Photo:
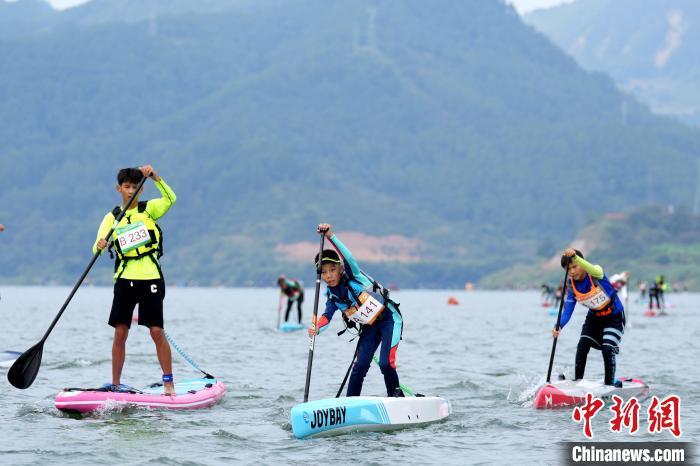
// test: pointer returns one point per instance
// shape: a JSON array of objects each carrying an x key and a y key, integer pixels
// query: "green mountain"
[
  {"x": 25, "y": 17},
  {"x": 650, "y": 48},
  {"x": 646, "y": 241},
  {"x": 450, "y": 125}
]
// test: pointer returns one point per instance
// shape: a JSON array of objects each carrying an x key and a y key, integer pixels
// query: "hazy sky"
[
  {"x": 66, "y": 3},
  {"x": 521, "y": 5}
]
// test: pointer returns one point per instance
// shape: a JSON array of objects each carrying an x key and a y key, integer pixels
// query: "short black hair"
[
  {"x": 330, "y": 256},
  {"x": 566, "y": 259},
  {"x": 129, "y": 175}
]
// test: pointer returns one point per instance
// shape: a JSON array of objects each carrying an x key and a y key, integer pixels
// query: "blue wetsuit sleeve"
[
  {"x": 347, "y": 256},
  {"x": 325, "y": 319},
  {"x": 330, "y": 310},
  {"x": 569, "y": 304}
]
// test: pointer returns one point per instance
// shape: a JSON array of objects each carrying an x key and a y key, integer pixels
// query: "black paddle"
[
  {"x": 279, "y": 312},
  {"x": 25, "y": 369},
  {"x": 347, "y": 374},
  {"x": 561, "y": 307},
  {"x": 314, "y": 318}
]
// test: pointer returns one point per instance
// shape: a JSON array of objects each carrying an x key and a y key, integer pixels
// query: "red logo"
[
  {"x": 587, "y": 412},
  {"x": 625, "y": 416},
  {"x": 665, "y": 414},
  {"x": 662, "y": 415}
]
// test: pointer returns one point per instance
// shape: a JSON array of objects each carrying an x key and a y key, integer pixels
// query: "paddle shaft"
[
  {"x": 561, "y": 307},
  {"x": 347, "y": 374},
  {"x": 24, "y": 371},
  {"x": 403, "y": 388},
  {"x": 279, "y": 312},
  {"x": 93, "y": 260},
  {"x": 627, "y": 300},
  {"x": 314, "y": 318}
]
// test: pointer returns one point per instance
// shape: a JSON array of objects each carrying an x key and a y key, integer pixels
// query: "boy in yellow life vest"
[
  {"x": 137, "y": 243},
  {"x": 605, "y": 321}
]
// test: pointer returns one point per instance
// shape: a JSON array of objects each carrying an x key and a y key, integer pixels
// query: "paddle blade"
[{"x": 25, "y": 369}]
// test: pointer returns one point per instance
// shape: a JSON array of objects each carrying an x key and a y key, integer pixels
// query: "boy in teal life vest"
[
  {"x": 352, "y": 292},
  {"x": 604, "y": 325},
  {"x": 293, "y": 290},
  {"x": 138, "y": 279}
]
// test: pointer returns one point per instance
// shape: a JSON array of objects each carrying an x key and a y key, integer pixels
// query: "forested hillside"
[
  {"x": 650, "y": 48},
  {"x": 646, "y": 242},
  {"x": 449, "y": 124}
]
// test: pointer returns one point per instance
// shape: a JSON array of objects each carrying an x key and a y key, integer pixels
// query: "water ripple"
[{"x": 487, "y": 364}]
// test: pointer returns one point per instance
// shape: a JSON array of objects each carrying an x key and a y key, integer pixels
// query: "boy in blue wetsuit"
[
  {"x": 352, "y": 292},
  {"x": 605, "y": 321}
]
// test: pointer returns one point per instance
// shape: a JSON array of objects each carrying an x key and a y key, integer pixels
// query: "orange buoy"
[{"x": 452, "y": 301}]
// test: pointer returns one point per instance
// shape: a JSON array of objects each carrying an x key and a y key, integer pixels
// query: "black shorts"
[
  {"x": 604, "y": 331},
  {"x": 148, "y": 294}
]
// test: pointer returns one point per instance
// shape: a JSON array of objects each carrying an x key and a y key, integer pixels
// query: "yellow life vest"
[{"x": 152, "y": 247}]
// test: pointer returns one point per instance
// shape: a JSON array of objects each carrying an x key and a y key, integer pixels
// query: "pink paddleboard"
[{"x": 190, "y": 394}]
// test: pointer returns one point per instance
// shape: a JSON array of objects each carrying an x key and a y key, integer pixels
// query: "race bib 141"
[{"x": 370, "y": 308}]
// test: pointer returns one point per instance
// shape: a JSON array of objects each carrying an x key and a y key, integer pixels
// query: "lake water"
[{"x": 487, "y": 356}]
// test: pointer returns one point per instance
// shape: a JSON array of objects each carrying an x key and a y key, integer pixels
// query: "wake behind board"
[
  {"x": 8, "y": 358},
  {"x": 290, "y": 327},
  {"x": 564, "y": 393},
  {"x": 365, "y": 413},
  {"x": 655, "y": 312},
  {"x": 189, "y": 394}
]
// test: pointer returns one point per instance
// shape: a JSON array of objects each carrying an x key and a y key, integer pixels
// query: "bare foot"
[{"x": 169, "y": 388}]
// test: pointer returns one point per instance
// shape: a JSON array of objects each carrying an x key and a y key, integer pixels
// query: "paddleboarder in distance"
[
  {"x": 353, "y": 293},
  {"x": 138, "y": 279},
  {"x": 656, "y": 293},
  {"x": 293, "y": 290},
  {"x": 604, "y": 325},
  {"x": 547, "y": 294}
]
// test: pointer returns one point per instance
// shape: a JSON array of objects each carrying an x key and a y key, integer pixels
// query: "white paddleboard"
[{"x": 365, "y": 413}]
